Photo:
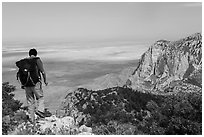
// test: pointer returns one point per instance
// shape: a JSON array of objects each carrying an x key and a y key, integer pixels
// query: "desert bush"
[
  {"x": 177, "y": 113},
  {"x": 182, "y": 126},
  {"x": 123, "y": 105},
  {"x": 9, "y": 107},
  {"x": 116, "y": 128},
  {"x": 120, "y": 104},
  {"x": 9, "y": 104},
  {"x": 175, "y": 116},
  {"x": 187, "y": 116}
]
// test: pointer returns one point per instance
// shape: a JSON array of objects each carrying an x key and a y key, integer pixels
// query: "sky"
[
  {"x": 128, "y": 29},
  {"x": 142, "y": 22}
]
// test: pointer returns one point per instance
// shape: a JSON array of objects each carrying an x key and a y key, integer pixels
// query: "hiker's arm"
[
  {"x": 40, "y": 67},
  {"x": 44, "y": 77}
]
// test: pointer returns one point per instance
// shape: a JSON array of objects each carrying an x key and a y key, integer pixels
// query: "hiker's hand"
[{"x": 46, "y": 83}]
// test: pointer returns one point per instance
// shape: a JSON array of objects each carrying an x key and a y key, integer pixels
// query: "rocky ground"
[{"x": 50, "y": 126}]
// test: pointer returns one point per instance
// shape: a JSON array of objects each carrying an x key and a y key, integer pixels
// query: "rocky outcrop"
[
  {"x": 54, "y": 126},
  {"x": 55, "y": 123},
  {"x": 166, "y": 62}
]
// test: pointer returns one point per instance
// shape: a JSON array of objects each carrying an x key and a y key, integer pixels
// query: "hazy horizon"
[{"x": 88, "y": 21}]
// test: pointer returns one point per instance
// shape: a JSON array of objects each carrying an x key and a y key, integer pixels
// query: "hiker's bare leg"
[
  {"x": 39, "y": 97},
  {"x": 31, "y": 102}
]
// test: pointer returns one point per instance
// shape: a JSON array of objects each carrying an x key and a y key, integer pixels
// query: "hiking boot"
[
  {"x": 40, "y": 114},
  {"x": 47, "y": 113}
]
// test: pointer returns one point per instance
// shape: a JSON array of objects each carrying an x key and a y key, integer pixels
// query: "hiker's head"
[{"x": 33, "y": 52}]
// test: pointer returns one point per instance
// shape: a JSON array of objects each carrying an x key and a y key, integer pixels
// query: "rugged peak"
[
  {"x": 196, "y": 36},
  {"x": 162, "y": 41},
  {"x": 160, "y": 44},
  {"x": 168, "y": 61}
]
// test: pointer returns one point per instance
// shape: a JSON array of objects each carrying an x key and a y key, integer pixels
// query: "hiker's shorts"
[{"x": 35, "y": 98}]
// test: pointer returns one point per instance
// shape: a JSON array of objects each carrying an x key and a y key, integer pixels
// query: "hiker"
[{"x": 32, "y": 84}]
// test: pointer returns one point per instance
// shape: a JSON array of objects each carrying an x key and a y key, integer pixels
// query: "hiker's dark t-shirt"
[{"x": 39, "y": 65}]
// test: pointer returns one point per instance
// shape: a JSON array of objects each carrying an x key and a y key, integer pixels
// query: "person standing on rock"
[{"x": 30, "y": 71}]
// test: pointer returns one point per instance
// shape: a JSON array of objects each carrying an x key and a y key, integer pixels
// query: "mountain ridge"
[{"x": 165, "y": 62}]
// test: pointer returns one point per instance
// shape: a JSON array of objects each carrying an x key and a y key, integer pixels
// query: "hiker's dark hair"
[{"x": 33, "y": 52}]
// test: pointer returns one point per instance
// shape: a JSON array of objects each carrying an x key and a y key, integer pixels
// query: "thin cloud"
[{"x": 195, "y": 4}]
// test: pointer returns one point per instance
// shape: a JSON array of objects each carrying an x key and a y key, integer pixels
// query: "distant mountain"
[
  {"x": 168, "y": 63},
  {"x": 110, "y": 80},
  {"x": 164, "y": 65}
]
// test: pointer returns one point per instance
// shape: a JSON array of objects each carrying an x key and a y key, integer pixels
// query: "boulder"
[
  {"x": 56, "y": 123},
  {"x": 84, "y": 128},
  {"x": 67, "y": 121}
]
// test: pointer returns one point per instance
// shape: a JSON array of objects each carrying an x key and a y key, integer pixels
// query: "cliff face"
[{"x": 166, "y": 62}]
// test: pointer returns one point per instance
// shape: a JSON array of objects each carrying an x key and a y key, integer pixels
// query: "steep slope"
[
  {"x": 166, "y": 62},
  {"x": 144, "y": 113},
  {"x": 90, "y": 107}
]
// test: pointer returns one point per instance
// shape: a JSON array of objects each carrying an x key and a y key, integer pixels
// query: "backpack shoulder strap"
[{"x": 37, "y": 58}]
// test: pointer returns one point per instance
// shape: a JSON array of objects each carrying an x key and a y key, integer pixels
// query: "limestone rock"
[
  {"x": 85, "y": 133},
  {"x": 57, "y": 123},
  {"x": 67, "y": 121},
  {"x": 52, "y": 125},
  {"x": 84, "y": 128},
  {"x": 166, "y": 62}
]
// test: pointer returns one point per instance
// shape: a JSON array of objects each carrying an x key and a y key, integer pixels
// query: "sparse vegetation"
[
  {"x": 110, "y": 109},
  {"x": 117, "y": 111},
  {"x": 9, "y": 107}
]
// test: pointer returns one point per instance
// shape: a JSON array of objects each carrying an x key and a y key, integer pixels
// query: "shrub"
[
  {"x": 176, "y": 116},
  {"x": 178, "y": 113},
  {"x": 116, "y": 128},
  {"x": 9, "y": 104},
  {"x": 9, "y": 107}
]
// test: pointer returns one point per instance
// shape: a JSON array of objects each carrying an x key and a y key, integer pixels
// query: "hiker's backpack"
[{"x": 28, "y": 73}]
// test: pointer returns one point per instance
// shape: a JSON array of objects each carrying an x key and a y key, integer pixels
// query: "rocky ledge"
[{"x": 51, "y": 126}]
